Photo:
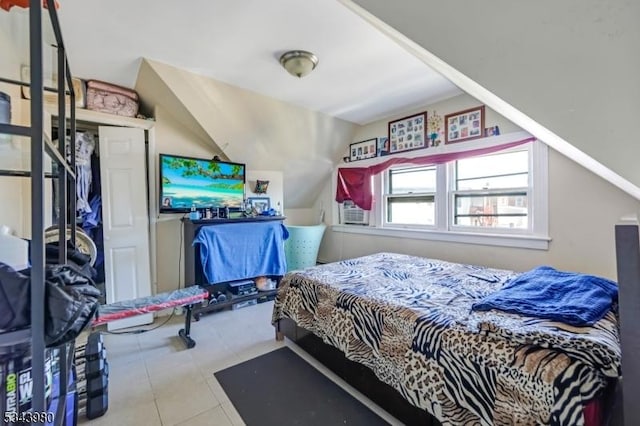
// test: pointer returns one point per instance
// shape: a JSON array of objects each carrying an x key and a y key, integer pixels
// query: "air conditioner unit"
[{"x": 354, "y": 215}]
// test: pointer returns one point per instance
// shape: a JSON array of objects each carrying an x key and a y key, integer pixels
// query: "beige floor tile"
[
  {"x": 185, "y": 403},
  {"x": 122, "y": 349},
  {"x": 125, "y": 395},
  {"x": 214, "y": 417},
  {"x": 140, "y": 414},
  {"x": 217, "y": 390},
  {"x": 209, "y": 363},
  {"x": 161, "y": 347}
]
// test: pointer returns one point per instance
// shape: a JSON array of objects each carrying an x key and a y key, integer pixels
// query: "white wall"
[
  {"x": 10, "y": 150},
  {"x": 15, "y": 193},
  {"x": 275, "y": 190},
  {"x": 448, "y": 106},
  {"x": 174, "y": 137},
  {"x": 264, "y": 133},
  {"x": 583, "y": 209},
  {"x": 171, "y": 137},
  {"x": 572, "y": 65}
]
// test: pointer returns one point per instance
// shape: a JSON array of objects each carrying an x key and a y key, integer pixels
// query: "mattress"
[{"x": 409, "y": 319}]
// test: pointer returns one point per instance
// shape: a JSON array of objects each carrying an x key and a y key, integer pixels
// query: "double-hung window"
[
  {"x": 498, "y": 195},
  {"x": 410, "y": 196},
  {"x": 491, "y": 191}
]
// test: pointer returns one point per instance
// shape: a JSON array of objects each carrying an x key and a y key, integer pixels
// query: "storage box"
[
  {"x": 51, "y": 97},
  {"x": 112, "y": 99},
  {"x": 16, "y": 382}
]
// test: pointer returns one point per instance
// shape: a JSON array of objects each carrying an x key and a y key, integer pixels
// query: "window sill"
[{"x": 516, "y": 241}]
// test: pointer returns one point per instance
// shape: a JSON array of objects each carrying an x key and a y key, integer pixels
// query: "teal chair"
[{"x": 301, "y": 248}]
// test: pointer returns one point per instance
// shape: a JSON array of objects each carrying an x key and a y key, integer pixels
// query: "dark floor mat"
[{"x": 280, "y": 388}]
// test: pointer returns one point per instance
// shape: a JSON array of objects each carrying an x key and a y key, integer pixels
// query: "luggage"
[{"x": 112, "y": 99}]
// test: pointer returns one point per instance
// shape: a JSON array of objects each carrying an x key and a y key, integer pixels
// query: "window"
[
  {"x": 490, "y": 195},
  {"x": 410, "y": 196},
  {"x": 492, "y": 191}
]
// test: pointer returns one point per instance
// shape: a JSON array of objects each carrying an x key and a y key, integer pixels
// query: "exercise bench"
[{"x": 186, "y": 297}]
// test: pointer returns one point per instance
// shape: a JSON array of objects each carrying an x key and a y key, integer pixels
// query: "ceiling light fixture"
[{"x": 298, "y": 62}]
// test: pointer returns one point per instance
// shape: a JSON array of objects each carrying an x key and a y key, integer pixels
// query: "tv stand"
[{"x": 193, "y": 272}]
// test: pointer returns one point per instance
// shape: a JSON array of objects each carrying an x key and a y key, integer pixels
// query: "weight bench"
[{"x": 130, "y": 308}]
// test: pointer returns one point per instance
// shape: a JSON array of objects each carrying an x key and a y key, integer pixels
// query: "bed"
[{"x": 409, "y": 320}]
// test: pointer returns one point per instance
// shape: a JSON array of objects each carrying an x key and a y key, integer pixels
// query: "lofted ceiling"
[{"x": 362, "y": 75}]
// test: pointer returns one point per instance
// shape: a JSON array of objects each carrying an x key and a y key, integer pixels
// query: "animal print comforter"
[{"x": 409, "y": 319}]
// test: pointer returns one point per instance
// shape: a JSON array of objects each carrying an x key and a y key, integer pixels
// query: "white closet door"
[{"x": 125, "y": 218}]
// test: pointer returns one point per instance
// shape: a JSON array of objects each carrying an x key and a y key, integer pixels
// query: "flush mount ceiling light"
[{"x": 298, "y": 62}]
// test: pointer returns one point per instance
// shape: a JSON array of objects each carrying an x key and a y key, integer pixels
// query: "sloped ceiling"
[
  {"x": 251, "y": 128},
  {"x": 571, "y": 66}
]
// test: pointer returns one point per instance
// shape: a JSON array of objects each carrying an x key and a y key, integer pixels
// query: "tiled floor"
[{"x": 154, "y": 380}]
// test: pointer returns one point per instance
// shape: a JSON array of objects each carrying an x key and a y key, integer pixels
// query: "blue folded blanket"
[{"x": 544, "y": 292}]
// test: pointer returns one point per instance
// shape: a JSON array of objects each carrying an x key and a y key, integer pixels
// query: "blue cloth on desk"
[
  {"x": 544, "y": 292},
  {"x": 235, "y": 251}
]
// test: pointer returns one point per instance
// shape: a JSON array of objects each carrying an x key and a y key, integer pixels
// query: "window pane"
[
  {"x": 508, "y": 210},
  {"x": 412, "y": 180},
  {"x": 418, "y": 210},
  {"x": 497, "y": 182},
  {"x": 506, "y": 170}
]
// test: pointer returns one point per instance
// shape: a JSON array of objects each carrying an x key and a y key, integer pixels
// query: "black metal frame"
[
  {"x": 66, "y": 179},
  {"x": 628, "y": 268}
]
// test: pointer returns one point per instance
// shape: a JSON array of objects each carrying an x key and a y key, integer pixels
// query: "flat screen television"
[{"x": 188, "y": 181}]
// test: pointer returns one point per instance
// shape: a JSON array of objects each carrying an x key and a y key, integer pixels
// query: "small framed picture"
[
  {"x": 260, "y": 204},
  {"x": 261, "y": 186},
  {"x": 492, "y": 131},
  {"x": 464, "y": 125},
  {"x": 383, "y": 146},
  {"x": 364, "y": 149},
  {"x": 407, "y": 133}
]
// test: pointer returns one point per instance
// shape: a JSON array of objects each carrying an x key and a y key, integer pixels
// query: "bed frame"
[
  {"x": 357, "y": 375},
  {"x": 628, "y": 265}
]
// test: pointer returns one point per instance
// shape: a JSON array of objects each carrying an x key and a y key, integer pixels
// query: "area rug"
[{"x": 280, "y": 388}]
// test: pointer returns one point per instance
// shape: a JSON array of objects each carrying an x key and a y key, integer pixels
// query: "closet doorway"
[{"x": 111, "y": 198}]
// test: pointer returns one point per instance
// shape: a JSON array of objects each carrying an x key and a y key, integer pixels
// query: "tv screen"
[{"x": 187, "y": 181}]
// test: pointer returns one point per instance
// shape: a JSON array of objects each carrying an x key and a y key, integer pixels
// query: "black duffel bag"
[{"x": 71, "y": 301}]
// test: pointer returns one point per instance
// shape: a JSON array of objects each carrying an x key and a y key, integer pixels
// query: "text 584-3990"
[{"x": 28, "y": 417}]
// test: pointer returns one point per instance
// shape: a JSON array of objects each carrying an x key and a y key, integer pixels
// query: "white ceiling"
[{"x": 362, "y": 76}]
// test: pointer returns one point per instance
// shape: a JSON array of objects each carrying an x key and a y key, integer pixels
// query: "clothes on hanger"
[{"x": 85, "y": 145}]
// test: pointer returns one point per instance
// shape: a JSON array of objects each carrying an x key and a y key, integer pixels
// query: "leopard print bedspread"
[{"x": 409, "y": 319}]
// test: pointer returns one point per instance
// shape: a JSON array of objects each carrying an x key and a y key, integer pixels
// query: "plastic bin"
[{"x": 301, "y": 248}]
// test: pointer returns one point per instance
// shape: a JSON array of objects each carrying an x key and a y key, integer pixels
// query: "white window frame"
[
  {"x": 385, "y": 194},
  {"x": 536, "y": 237},
  {"x": 529, "y": 189}
]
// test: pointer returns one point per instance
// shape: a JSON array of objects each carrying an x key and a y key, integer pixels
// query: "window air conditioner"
[{"x": 354, "y": 215}]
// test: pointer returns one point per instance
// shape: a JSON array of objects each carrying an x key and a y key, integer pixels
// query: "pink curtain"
[{"x": 354, "y": 183}]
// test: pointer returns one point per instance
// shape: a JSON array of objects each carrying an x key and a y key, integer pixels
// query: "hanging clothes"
[{"x": 85, "y": 145}]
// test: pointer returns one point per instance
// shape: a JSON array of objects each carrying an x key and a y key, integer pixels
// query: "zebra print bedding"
[{"x": 409, "y": 319}]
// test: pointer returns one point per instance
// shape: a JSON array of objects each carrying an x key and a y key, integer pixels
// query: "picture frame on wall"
[
  {"x": 363, "y": 149},
  {"x": 464, "y": 125},
  {"x": 408, "y": 133},
  {"x": 383, "y": 146}
]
